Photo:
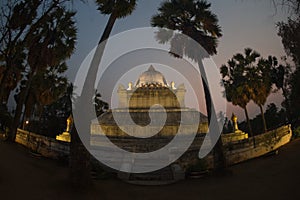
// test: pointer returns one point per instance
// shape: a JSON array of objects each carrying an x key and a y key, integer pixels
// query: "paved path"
[{"x": 23, "y": 176}]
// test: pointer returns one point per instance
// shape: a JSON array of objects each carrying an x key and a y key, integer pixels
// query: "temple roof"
[{"x": 151, "y": 76}]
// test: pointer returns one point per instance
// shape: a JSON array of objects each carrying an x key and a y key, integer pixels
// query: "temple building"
[{"x": 151, "y": 88}]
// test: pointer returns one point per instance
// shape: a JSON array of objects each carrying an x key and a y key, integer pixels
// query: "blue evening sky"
[{"x": 244, "y": 23}]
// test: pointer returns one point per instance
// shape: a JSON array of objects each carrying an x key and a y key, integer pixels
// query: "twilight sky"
[{"x": 244, "y": 23}]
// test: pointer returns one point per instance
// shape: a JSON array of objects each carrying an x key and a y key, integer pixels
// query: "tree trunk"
[
  {"x": 17, "y": 37},
  {"x": 20, "y": 104},
  {"x": 4, "y": 80},
  {"x": 288, "y": 109},
  {"x": 219, "y": 156},
  {"x": 249, "y": 126},
  {"x": 80, "y": 157},
  {"x": 28, "y": 108},
  {"x": 263, "y": 117},
  {"x": 108, "y": 28},
  {"x": 80, "y": 166},
  {"x": 23, "y": 95}
]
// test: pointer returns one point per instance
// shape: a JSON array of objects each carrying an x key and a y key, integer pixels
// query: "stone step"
[{"x": 163, "y": 176}]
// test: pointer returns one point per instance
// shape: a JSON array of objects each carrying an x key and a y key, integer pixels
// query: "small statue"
[
  {"x": 65, "y": 136},
  {"x": 237, "y": 134},
  {"x": 173, "y": 85},
  {"x": 69, "y": 123},
  {"x": 235, "y": 124},
  {"x": 129, "y": 86}
]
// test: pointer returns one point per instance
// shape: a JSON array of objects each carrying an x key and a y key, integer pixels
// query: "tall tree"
[
  {"x": 237, "y": 89},
  {"x": 80, "y": 164},
  {"x": 290, "y": 34},
  {"x": 251, "y": 76},
  {"x": 28, "y": 37},
  {"x": 281, "y": 76},
  {"x": 50, "y": 40},
  {"x": 194, "y": 19},
  {"x": 16, "y": 19},
  {"x": 295, "y": 97},
  {"x": 261, "y": 82},
  {"x": 115, "y": 9},
  {"x": 238, "y": 78}
]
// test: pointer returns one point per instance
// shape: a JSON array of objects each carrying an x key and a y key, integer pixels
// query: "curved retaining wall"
[
  {"x": 239, "y": 151},
  {"x": 47, "y": 147},
  {"x": 244, "y": 150},
  {"x": 235, "y": 152}
]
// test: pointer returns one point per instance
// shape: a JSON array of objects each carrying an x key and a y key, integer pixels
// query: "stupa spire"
[{"x": 151, "y": 68}]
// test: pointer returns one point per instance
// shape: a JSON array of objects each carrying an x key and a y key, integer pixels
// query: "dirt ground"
[{"x": 24, "y": 176}]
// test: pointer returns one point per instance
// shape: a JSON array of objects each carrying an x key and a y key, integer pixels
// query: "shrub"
[{"x": 296, "y": 132}]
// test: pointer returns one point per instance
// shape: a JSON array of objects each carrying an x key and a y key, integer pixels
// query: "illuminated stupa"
[{"x": 151, "y": 88}]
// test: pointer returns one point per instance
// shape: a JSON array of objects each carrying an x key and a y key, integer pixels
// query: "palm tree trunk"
[
  {"x": 20, "y": 104},
  {"x": 263, "y": 117},
  {"x": 3, "y": 80},
  {"x": 21, "y": 31},
  {"x": 79, "y": 163},
  {"x": 249, "y": 125},
  {"x": 219, "y": 156},
  {"x": 79, "y": 156},
  {"x": 16, "y": 121},
  {"x": 108, "y": 28},
  {"x": 28, "y": 108}
]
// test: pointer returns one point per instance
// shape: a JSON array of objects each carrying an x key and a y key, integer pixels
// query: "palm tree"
[
  {"x": 237, "y": 90},
  {"x": 16, "y": 17},
  {"x": 238, "y": 78},
  {"x": 115, "y": 9},
  {"x": 49, "y": 43},
  {"x": 262, "y": 84},
  {"x": 246, "y": 63},
  {"x": 80, "y": 158},
  {"x": 194, "y": 19}
]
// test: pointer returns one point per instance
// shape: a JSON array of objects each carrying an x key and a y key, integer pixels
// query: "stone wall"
[
  {"x": 47, "y": 147},
  {"x": 243, "y": 150},
  {"x": 235, "y": 152}
]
